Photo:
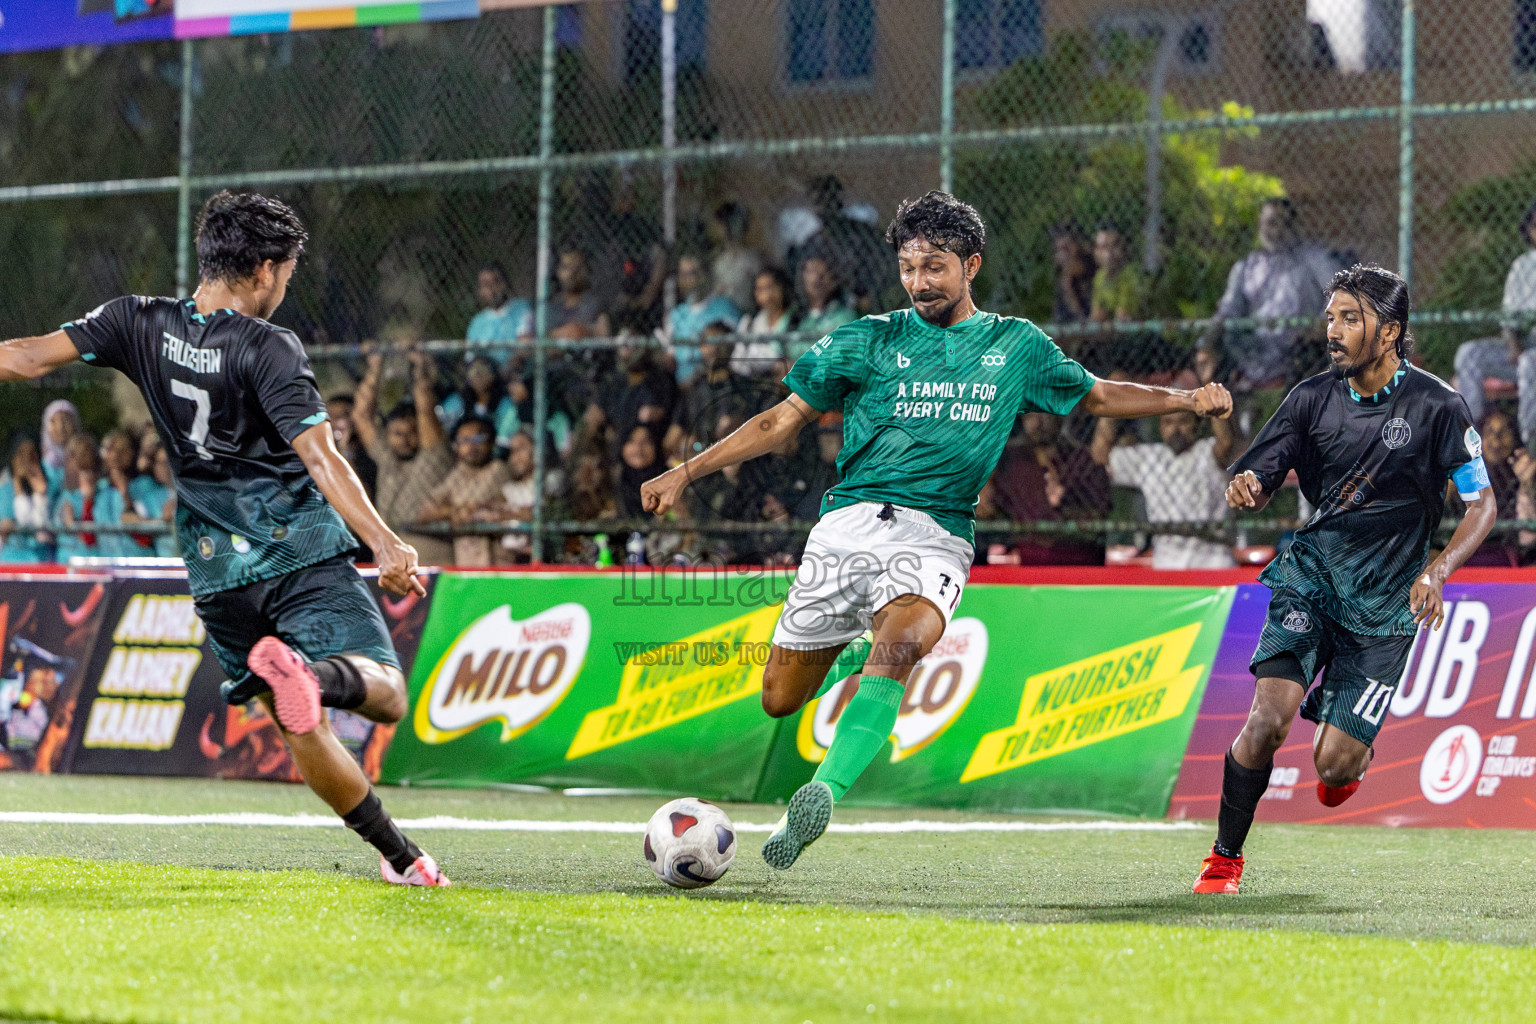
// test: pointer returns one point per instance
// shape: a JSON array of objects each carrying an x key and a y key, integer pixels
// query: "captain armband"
[{"x": 1471, "y": 478}]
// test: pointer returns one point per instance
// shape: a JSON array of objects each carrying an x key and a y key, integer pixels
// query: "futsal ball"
[{"x": 690, "y": 843}]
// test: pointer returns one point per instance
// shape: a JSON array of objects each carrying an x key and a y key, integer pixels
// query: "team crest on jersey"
[
  {"x": 1396, "y": 433},
  {"x": 240, "y": 544},
  {"x": 205, "y": 547},
  {"x": 1297, "y": 621},
  {"x": 994, "y": 359},
  {"x": 1474, "y": 443}
]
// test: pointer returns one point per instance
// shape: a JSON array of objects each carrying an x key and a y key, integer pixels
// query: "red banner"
[{"x": 1456, "y": 749}]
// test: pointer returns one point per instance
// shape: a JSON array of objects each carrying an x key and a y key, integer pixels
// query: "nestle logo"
[{"x": 538, "y": 632}]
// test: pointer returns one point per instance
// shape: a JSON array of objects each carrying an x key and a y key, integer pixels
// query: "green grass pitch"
[{"x": 109, "y": 923}]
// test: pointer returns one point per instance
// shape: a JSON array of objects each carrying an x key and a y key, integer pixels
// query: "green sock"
[
  {"x": 850, "y": 661},
  {"x": 866, "y": 724}
]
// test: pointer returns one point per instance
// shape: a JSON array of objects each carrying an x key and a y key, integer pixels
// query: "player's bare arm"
[
  {"x": 1127, "y": 400},
  {"x": 758, "y": 436},
  {"x": 1245, "y": 491},
  {"x": 1424, "y": 597},
  {"x": 337, "y": 481},
  {"x": 31, "y": 358}
]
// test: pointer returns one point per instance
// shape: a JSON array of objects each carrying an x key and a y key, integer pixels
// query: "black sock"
[
  {"x": 341, "y": 684},
  {"x": 370, "y": 820},
  {"x": 1241, "y": 790}
]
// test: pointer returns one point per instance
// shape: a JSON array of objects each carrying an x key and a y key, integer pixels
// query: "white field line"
[{"x": 446, "y": 823}]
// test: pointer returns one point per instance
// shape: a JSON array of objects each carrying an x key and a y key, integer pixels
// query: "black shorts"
[
  {"x": 319, "y": 611},
  {"x": 1360, "y": 673}
]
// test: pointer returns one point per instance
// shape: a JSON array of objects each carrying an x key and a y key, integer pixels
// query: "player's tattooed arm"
[
  {"x": 758, "y": 436},
  {"x": 30, "y": 358},
  {"x": 337, "y": 481},
  {"x": 1424, "y": 598},
  {"x": 1127, "y": 400}
]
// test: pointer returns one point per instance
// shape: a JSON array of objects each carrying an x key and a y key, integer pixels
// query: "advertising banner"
[
  {"x": 1456, "y": 747},
  {"x": 593, "y": 681},
  {"x": 151, "y": 703},
  {"x": 195, "y": 18},
  {"x": 1014, "y": 710},
  {"x": 49, "y": 628},
  {"x": 46, "y": 24},
  {"x": 653, "y": 682}
]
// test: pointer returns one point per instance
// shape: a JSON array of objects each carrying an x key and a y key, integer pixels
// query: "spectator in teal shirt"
[
  {"x": 25, "y": 501},
  {"x": 155, "y": 499},
  {"x": 699, "y": 308},
  {"x": 77, "y": 502},
  {"x": 117, "y": 496},
  {"x": 502, "y": 320}
]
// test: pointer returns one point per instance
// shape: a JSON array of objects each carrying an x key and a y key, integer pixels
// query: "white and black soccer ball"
[{"x": 690, "y": 843}]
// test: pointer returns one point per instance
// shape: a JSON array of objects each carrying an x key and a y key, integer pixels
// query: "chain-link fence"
[{"x": 638, "y": 217}]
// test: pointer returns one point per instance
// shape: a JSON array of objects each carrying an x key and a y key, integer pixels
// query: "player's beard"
[{"x": 941, "y": 318}]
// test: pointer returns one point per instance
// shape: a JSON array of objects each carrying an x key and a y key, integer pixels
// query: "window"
[
  {"x": 1196, "y": 50},
  {"x": 829, "y": 40},
  {"x": 1525, "y": 35},
  {"x": 642, "y": 37},
  {"x": 996, "y": 33}
]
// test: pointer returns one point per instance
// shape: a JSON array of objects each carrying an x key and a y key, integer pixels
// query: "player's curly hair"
[
  {"x": 239, "y": 231},
  {"x": 943, "y": 221},
  {"x": 1385, "y": 293}
]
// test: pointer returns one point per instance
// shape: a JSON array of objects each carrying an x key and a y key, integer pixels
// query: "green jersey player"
[{"x": 929, "y": 395}]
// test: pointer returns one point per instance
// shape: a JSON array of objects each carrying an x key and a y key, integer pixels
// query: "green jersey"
[{"x": 927, "y": 410}]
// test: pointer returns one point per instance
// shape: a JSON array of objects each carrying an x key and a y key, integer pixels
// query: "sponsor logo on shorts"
[
  {"x": 994, "y": 359},
  {"x": 1451, "y": 764},
  {"x": 1297, "y": 621},
  {"x": 502, "y": 668},
  {"x": 938, "y": 690},
  {"x": 1474, "y": 443},
  {"x": 1396, "y": 433}
]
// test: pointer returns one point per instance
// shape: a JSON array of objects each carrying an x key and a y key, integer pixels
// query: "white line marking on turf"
[{"x": 446, "y": 823}]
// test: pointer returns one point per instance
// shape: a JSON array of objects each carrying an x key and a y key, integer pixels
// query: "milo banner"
[
  {"x": 151, "y": 703},
  {"x": 653, "y": 682},
  {"x": 48, "y": 627},
  {"x": 1456, "y": 746},
  {"x": 641, "y": 681}
]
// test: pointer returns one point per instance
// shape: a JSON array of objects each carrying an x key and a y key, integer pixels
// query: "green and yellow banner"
[{"x": 1037, "y": 698}]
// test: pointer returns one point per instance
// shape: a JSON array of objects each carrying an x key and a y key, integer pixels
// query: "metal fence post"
[
  {"x": 184, "y": 176},
  {"x": 541, "y": 277},
  {"x": 1405, "y": 151},
  {"x": 669, "y": 139},
  {"x": 947, "y": 102}
]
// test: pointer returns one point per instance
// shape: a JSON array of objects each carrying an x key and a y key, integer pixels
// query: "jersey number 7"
[{"x": 198, "y": 435}]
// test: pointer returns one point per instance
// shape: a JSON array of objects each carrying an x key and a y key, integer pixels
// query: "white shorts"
[{"x": 856, "y": 563}]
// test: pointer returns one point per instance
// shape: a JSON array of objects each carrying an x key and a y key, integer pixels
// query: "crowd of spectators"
[{"x": 446, "y": 445}]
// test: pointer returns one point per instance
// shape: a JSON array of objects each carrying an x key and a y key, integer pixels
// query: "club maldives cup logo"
[{"x": 502, "y": 668}]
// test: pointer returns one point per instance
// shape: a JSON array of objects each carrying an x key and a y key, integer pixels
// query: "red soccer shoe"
[
  {"x": 1220, "y": 874},
  {"x": 1332, "y": 796}
]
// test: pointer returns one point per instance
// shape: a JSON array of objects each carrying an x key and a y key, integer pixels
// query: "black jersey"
[
  {"x": 1375, "y": 469},
  {"x": 228, "y": 394}
]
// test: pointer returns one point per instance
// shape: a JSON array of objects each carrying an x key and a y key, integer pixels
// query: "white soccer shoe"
[{"x": 423, "y": 872}]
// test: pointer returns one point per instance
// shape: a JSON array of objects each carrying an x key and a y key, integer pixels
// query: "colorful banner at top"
[{"x": 45, "y": 24}]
